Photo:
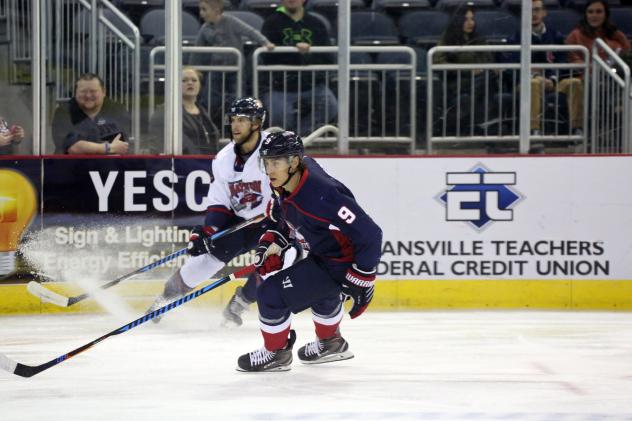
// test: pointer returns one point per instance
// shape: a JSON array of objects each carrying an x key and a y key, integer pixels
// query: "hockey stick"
[
  {"x": 24, "y": 370},
  {"x": 47, "y": 295}
]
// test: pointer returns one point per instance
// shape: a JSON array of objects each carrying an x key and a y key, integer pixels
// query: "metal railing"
[
  {"x": 478, "y": 102},
  {"x": 4, "y": 35},
  {"x": 216, "y": 103},
  {"x": 382, "y": 96},
  {"x": 116, "y": 57},
  {"x": 19, "y": 16},
  {"x": 611, "y": 101}
]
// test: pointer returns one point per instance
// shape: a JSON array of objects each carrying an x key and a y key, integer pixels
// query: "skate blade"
[
  {"x": 229, "y": 324},
  {"x": 347, "y": 355},
  {"x": 272, "y": 370}
]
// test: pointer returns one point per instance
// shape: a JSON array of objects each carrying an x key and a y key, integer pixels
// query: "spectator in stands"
[
  {"x": 549, "y": 81},
  {"x": 594, "y": 24},
  {"x": 461, "y": 31},
  {"x": 10, "y": 136},
  {"x": 90, "y": 123},
  {"x": 199, "y": 134},
  {"x": 220, "y": 30},
  {"x": 295, "y": 99}
]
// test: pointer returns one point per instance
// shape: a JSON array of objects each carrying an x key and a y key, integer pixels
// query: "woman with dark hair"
[
  {"x": 461, "y": 30},
  {"x": 462, "y": 87},
  {"x": 595, "y": 24}
]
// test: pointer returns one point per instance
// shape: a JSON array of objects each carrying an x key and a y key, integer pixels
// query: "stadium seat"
[
  {"x": 515, "y": 6},
  {"x": 400, "y": 6},
  {"x": 260, "y": 7},
  {"x": 329, "y": 8},
  {"x": 144, "y": 3},
  {"x": 332, "y": 5},
  {"x": 250, "y": 18},
  {"x": 496, "y": 25},
  {"x": 333, "y": 35},
  {"x": 152, "y": 27},
  {"x": 423, "y": 27},
  {"x": 373, "y": 28},
  {"x": 195, "y": 5},
  {"x": 562, "y": 20},
  {"x": 622, "y": 17},
  {"x": 580, "y": 4},
  {"x": 398, "y": 57},
  {"x": 455, "y": 4}
]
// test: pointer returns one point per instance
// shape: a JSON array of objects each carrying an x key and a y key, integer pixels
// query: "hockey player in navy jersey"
[
  {"x": 240, "y": 190},
  {"x": 344, "y": 249}
]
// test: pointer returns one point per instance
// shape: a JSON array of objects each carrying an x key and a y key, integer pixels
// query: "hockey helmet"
[
  {"x": 246, "y": 107},
  {"x": 281, "y": 144}
]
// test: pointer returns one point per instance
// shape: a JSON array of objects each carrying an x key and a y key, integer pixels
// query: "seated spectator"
[
  {"x": 220, "y": 30},
  {"x": 10, "y": 136},
  {"x": 461, "y": 31},
  {"x": 594, "y": 24},
  {"x": 547, "y": 81},
  {"x": 199, "y": 134},
  {"x": 90, "y": 123},
  {"x": 297, "y": 101}
]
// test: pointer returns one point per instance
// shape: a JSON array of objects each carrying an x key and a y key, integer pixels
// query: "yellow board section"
[
  {"x": 389, "y": 295},
  {"x": 138, "y": 295}
]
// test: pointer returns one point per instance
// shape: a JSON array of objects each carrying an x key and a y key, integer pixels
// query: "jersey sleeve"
[{"x": 353, "y": 222}]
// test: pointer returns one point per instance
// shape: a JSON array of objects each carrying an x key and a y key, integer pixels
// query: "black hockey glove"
[
  {"x": 200, "y": 241},
  {"x": 358, "y": 286},
  {"x": 270, "y": 252}
]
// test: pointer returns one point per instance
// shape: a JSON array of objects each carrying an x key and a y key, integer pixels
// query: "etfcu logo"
[{"x": 480, "y": 196}]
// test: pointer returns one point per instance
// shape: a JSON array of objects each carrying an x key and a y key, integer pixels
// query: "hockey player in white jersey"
[{"x": 239, "y": 191}]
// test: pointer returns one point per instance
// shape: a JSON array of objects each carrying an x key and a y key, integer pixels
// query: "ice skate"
[
  {"x": 160, "y": 301},
  {"x": 235, "y": 307},
  {"x": 174, "y": 288},
  {"x": 263, "y": 360},
  {"x": 327, "y": 350}
]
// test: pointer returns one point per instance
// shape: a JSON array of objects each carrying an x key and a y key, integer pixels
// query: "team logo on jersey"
[
  {"x": 245, "y": 194},
  {"x": 480, "y": 196}
]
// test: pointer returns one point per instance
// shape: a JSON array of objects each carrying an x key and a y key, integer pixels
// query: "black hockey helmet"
[
  {"x": 247, "y": 107},
  {"x": 281, "y": 144}
]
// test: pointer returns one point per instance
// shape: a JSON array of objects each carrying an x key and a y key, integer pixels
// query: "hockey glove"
[
  {"x": 358, "y": 286},
  {"x": 270, "y": 252},
  {"x": 200, "y": 240}
]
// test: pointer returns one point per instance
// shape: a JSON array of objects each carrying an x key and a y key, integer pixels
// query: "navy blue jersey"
[{"x": 324, "y": 212}]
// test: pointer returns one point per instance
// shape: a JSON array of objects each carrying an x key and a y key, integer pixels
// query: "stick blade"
[
  {"x": 46, "y": 294},
  {"x": 7, "y": 364}
]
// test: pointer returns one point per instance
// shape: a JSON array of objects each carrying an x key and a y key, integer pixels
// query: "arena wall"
[{"x": 548, "y": 232}]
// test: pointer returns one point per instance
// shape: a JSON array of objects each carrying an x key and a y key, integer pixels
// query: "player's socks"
[
  {"x": 263, "y": 360},
  {"x": 235, "y": 307},
  {"x": 335, "y": 348}
]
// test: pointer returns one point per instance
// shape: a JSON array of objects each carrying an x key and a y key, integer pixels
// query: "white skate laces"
[
  {"x": 261, "y": 356},
  {"x": 314, "y": 348}
]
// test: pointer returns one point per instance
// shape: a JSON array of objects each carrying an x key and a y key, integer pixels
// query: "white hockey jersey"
[{"x": 246, "y": 192}]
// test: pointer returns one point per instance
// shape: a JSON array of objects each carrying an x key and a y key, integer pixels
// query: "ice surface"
[{"x": 414, "y": 365}]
